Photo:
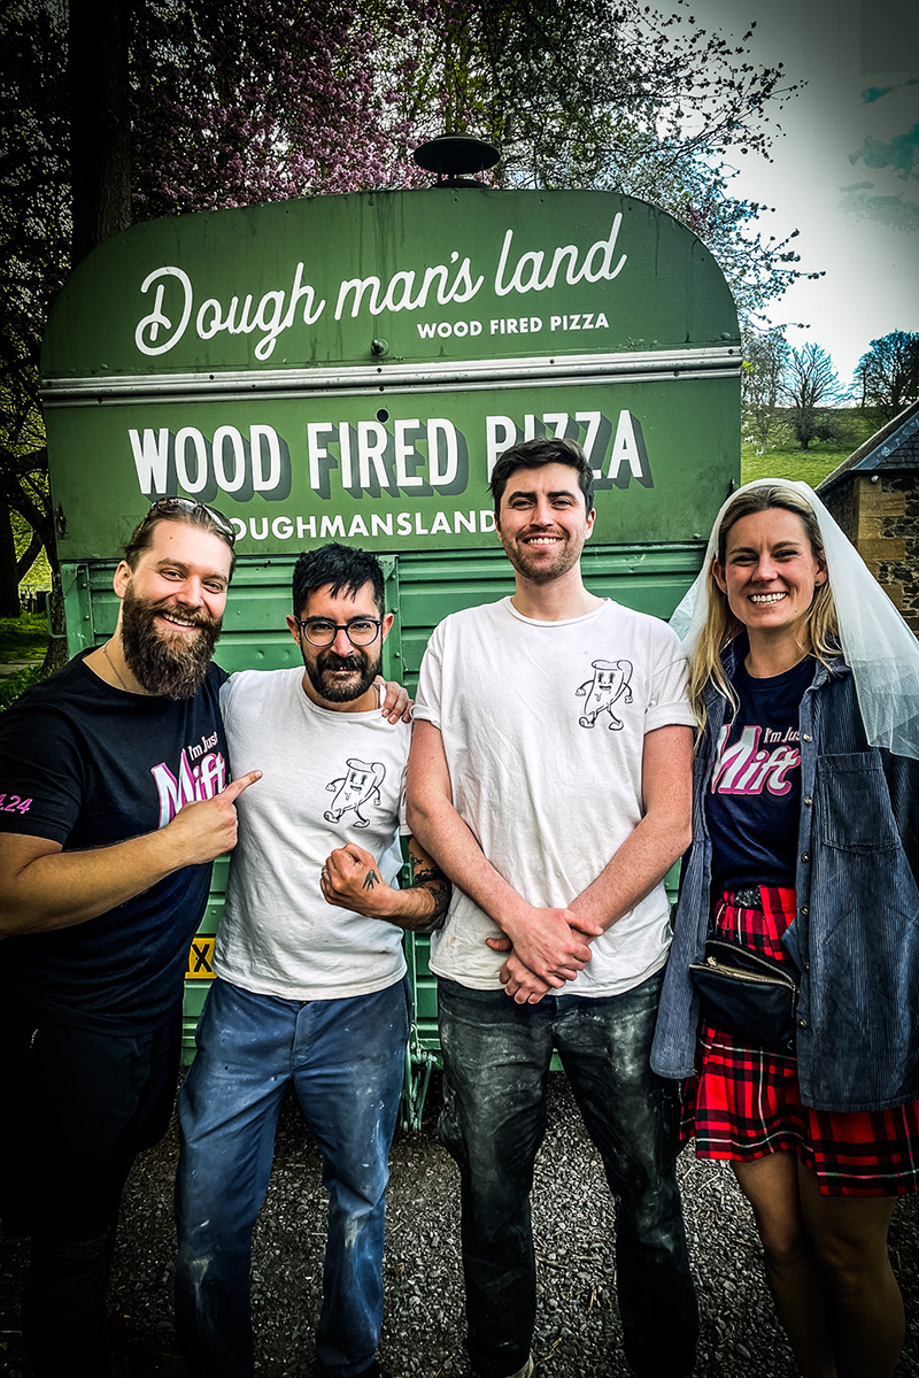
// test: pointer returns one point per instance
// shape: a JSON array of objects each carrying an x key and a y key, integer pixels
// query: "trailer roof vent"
[{"x": 453, "y": 156}]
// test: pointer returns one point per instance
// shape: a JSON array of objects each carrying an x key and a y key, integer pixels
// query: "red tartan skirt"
[{"x": 744, "y": 1103}]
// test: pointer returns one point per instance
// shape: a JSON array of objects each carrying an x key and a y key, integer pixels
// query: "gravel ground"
[{"x": 577, "y": 1325}]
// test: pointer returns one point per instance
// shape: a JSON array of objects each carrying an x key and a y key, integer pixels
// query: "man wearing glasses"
[
  {"x": 116, "y": 798},
  {"x": 310, "y": 990}
]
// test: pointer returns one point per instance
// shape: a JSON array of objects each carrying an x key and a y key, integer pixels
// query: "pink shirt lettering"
[{"x": 748, "y": 768}]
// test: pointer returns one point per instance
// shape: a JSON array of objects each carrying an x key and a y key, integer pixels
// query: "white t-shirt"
[
  {"x": 329, "y": 778},
  {"x": 543, "y": 726}
]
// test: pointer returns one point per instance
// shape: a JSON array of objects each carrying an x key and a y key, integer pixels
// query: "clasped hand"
[{"x": 545, "y": 950}]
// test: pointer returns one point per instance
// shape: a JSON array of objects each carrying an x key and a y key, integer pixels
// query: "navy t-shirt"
[
  {"x": 87, "y": 765},
  {"x": 753, "y": 799}
]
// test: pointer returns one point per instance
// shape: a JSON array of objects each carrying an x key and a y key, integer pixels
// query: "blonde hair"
[{"x": 721, "y": 626}]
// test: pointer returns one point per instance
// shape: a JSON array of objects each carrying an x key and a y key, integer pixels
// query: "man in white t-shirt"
[
  {"x": 550, "y": 778},
  {"x": 310, "y": 991}
]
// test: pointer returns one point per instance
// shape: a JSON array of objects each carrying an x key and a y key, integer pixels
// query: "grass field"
[
  {"x": 23, "y": 638},
  {"x": 785, "y": 460},
  {"x": 808, "y": 466}
]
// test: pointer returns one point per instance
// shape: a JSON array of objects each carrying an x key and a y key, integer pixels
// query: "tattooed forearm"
[
  {"x": 421, "y": 874},
  {"x": 440, "y": 892},
  {"x": 428, "y": 876}
]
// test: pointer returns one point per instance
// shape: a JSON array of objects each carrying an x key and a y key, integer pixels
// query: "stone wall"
[
  {"x": 842, "y": 503},
  {"x": 880, "y": 515}
]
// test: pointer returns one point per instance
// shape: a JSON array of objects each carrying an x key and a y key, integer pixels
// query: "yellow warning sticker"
[{"x": 201, "y": 960}]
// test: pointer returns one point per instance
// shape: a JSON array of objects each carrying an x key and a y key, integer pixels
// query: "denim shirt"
[{"x": 855, "y": 934}]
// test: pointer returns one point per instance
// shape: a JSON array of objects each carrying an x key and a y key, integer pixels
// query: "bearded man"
[
  {"x": 114, "y": 800},
  {"x": 311, "y": 989}
]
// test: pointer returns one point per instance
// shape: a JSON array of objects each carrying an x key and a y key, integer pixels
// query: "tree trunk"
[
  {"x": 56, "y": 654},
  {"x": 100, "y": 140},
  {"x": 9, "y": 579}
]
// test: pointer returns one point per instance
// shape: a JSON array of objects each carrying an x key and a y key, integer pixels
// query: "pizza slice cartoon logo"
[
  {"x": 610, "y": 682},
  {"x": 360, "y": 786}
]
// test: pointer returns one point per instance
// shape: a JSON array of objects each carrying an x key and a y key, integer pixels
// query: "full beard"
[
  {"x": 169, "y": 667},
  {"x": 365, "y": 667}
]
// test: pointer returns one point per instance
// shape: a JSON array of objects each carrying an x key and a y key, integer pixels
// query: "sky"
[{"x": 846, "y": 172}]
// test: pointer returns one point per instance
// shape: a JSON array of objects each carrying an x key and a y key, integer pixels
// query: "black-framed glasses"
[
  {"x": 360, "y": 631},
  {"x": 166, "y": 506}
]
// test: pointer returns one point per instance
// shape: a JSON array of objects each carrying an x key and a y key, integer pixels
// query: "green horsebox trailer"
[{"x": 349, "y": 368}]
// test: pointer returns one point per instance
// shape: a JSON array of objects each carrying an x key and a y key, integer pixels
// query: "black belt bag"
[{"x": 747, "y": 995}]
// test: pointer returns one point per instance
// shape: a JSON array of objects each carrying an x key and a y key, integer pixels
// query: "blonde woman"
[{"x": 805, "y": 851}]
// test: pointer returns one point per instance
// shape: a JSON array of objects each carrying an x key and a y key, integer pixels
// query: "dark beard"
[
  {"x": 368, "y": 667},
  {"x": 173, "y": 669}
]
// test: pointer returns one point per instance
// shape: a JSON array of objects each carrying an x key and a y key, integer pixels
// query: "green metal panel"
[
  {"x": 378, "y": 419},
  {"x": 267, "y": 287},
  {"x": 664, "y": 450}
]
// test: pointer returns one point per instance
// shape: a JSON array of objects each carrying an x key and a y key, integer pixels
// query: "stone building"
[{"x": 874, "y": 495}]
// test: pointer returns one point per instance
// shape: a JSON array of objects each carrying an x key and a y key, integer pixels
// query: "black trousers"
[
  {"x": 80, "y": 1106},
  {"x": 496, "y": 1064}
]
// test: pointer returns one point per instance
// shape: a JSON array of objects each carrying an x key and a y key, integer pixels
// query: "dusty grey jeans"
[{"x": 496, "y": 1063}]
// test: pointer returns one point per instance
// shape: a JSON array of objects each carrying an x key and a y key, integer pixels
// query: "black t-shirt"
[
  {"x": 87, "y": 765},
  {"x": 753, "y": 800}
]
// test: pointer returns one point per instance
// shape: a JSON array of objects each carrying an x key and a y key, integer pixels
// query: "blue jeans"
[
  {"x": 496, "y": 1064},
  {"x": 345, "y": 1060}
]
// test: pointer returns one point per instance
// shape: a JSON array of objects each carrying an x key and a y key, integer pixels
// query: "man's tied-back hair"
[
  {"x": 344, "y": 567},
  {"x": 533, "y": 454},
  {"x": 189, "y": 513}
]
